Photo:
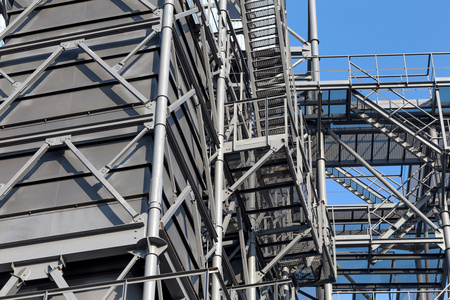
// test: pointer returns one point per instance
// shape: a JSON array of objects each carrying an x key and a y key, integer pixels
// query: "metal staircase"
[
  {"x": 264, "y": 47},
  {"x": 263, "y": 140},
  {"x": 356, "y": 186},
  {"x": 420, "y": 191},
  {"x": 414, "y": 140}
]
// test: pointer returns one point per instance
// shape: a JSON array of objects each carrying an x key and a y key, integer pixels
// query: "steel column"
[
  {"x": 155, "y": 198},
  {"x": 321, "y": 177},
  {"x": 219, "y": 164},
  {"x": 444, "y": 214},
  {"x": 251, "y": 205}
]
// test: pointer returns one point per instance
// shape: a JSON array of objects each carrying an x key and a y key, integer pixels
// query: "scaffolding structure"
[{"x": 181, "y": 149}]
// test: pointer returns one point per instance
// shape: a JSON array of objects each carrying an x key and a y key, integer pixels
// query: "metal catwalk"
[{"x": 181, "y": 149}]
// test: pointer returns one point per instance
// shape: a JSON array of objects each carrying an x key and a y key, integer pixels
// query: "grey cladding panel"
[
  {"x": 66, "y": 221},
  {"x": 63, "y": 162},
  {"x": 82, "y": 74},
  {"x": 81, "y": 15},
  {"x": 59, "y": 195},
  {"x": 72, "y": 191},
  {"x": 117, "y": 45}
]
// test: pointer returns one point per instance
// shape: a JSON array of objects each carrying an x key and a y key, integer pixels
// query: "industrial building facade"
[{"x": 181, "y": 149}]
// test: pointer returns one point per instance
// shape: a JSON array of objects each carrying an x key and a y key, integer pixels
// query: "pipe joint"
[
  {"x": 155, "y": 205},
  {"x": 166, "y": 26},
  {"x": 160, "y": 123},
  {"x": 445, "y": 225}
]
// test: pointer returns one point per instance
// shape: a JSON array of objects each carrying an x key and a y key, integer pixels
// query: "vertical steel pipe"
[
  {"x": 321, "y": 177},
  {"x": 313, "y": 39},
  {"x": 285, "y": 287},
  {"x": 218, "y": 172},
  {"x": 156, "y": 187},
  {"x": 251, "y": 205},
  {"x": 444, "y": 214}
]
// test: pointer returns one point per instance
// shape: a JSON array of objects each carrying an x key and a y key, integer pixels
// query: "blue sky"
[{"x": 376, "y": 26}]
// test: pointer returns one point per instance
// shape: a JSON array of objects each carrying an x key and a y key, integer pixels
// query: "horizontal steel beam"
[
  {"x": 274, "y": 208},
  {"x": 398, "y": 256},
  {"x": 76, "y": 131},
  {"x": 353, "y": 240},
  {"x": 262, "y": 284},
  {"x": 325, "y": 85},
  {"x": 388, "y": 271},
  {"x": 381, "y": 286},
  {"x": 80, "y": 245}
]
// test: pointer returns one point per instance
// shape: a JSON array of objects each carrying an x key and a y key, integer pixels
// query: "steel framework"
[{"x": 181, "y": 149}]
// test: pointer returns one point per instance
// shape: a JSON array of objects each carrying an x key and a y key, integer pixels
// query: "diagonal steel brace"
[
  {"x": 24, "y": 170},
  {"x": 100, "y": 178},
  {"x": 281, "y": 254},
  {"x": 31, "y": 79},
  {"x": 113, "y": 73},
  {"x": 19, "y": 19}
]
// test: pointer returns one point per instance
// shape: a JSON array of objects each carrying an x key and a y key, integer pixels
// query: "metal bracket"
[
  {"x": 439, "y": 233},
  {"x": 56, "y": 265},
  {"x": 71, "y": 45},
  {"x": 22, "y": 274},
  {"x": 150, "y": 110},
  {"x": 150, "y": 242},
  {"x": 157, "y": 13},
  {"x": 186, "y": 13},
  {"x": 15, "y": 282},
  {"x": 58, "y": 140},
  {"x": 306, "y": 50}
]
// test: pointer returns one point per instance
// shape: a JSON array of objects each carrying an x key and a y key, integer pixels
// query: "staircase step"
[
  {"x": 269, "y": 82},
  {"x": 270, "y": 72},
  {"x": 261, "y": 63},
  {"x": 260, "y": 23},
  {"x": 270, "y": 42},
  {"x": 260, "y": 13},
  {"x": 273, "y": 122},
  {"x": 250, "y": 5},
  {"x": 274, "y": 131},
  {"x": 271, "y": 103},
  {"x": 262, "y": 32},
  {"x": 272, "y": 51},
  {"x": 271, "y": 92},
  {"x": 272, "y": 112}
]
